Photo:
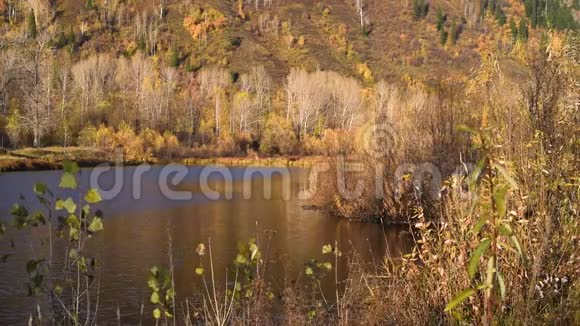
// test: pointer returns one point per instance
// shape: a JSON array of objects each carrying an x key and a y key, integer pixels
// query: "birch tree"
[
  {"x": 36, "y": 115},
  {"x": 306, "y": 97},
  {"x": 360, "y": 9},
  {"x": 258, "y": 85},
  {"x": 212, "y": 82},
  {"x": 9, "y": 75}
]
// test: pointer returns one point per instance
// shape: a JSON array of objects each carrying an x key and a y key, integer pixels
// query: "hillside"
[{"x": 143, "y": 64}]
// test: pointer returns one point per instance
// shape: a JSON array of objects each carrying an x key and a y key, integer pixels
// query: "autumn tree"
[
  {"x": 37, "y": 108},
  {"x": 257, "y": 83},
  {"x": 213, "y": 81},
  {"x": 306, "y": 97},
  {"x": 93, "y": 78},
  {"x": 203, "y": 21},
  {"x": 9, "y": 76}
]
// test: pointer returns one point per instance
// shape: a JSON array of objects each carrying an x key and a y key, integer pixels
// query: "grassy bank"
[{"x": 51, "y": 158}]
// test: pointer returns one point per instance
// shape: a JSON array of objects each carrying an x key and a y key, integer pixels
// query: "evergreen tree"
[
  {"x": 454, "y": 31},
  {"x": 187, "y": 67},
  {"x": 71, "y": 37},
  {"x": 174, "y": 58},
  {"x": 534, "y": 14},
  {"x": 523, "y": 30},
  {"x": 425, "y": 8},
  {"x": 513, "y": 29},
  {"x": 32, "y": 25},
  {"x": 90, "y": 4},
  {"x": 440, "y": 19},
  {"x": 491, "y": 6},
  {"x": 500, "y": 16},
  {"x": 482, "y": 6},
  {"x": 444, "y": 35},
  {"x": 420, "y": 8},
  {"x": 142, "y": 43},
  {"x": 61, "y": 40},
  {"x": 417, "y": 9}
]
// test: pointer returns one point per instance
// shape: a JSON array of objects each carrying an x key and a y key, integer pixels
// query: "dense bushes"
[
  {"x": 279, "y": 136},
  {"x": 144, "y": 146}
]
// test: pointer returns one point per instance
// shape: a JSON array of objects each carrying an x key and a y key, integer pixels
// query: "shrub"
[
  {"x": 105, "y": 138},
  {"x": 337, "y": 141},
  {"x": 152, "y": 139},
  {"x": 226, "y": 146},
  {"x": 14, "y": 128},
  {"x": 171, "y": 146},
  {"x": 365, "y": 71},
  {"x": 278, "y": 137},
  {"x": 243, "y": 142},
  {"x": 88, "y": 137}
]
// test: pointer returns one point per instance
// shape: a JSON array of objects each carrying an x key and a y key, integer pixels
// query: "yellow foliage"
[
  {"x": 202, "y": 21},
  {"x": 301, "y": 41},
  {"x": 365, "y": 71}
]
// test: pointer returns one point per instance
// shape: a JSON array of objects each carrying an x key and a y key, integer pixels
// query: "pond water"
[{"x": 137, "y": 228}]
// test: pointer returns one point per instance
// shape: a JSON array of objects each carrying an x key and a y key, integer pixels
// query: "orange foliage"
[{"x": 201, "y": 22}]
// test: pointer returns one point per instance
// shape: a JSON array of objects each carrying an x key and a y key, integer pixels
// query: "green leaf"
[
  {"x": 70, "y": 167},
  {"x": 86, "y": 209},
  {"x": 68, "y": 205},
  {"x": 96, "y": 225},
  {"x": 477, "y": 228},
  {"x": 501, "y": 282},
  {"x": 505, "y": 229},
  {"x": 199, "y": 271},
  {"x": 499, "y": 198},
  {"x": 326, "y": 249},
  {"x": 40, "y": 189},
  {"x": 68, "y": 181},
  {"x": 516, "y": 243},
  {"x": 309, "y": 271},
  {"x": 474, "y": 176},
  {"x": 459, "y": 299},
  {"x": 327, "y": 266},
  {"x": 154, "y": 298},
  {"x": 476, "y": 255},
  {"x": 504, "y": 173},
  {"x": 156, "y": 313},
  {"x": 93, "y": 197}
]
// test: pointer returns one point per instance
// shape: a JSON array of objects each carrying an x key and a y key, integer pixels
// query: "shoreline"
[{"x": 16, "y": 162}]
